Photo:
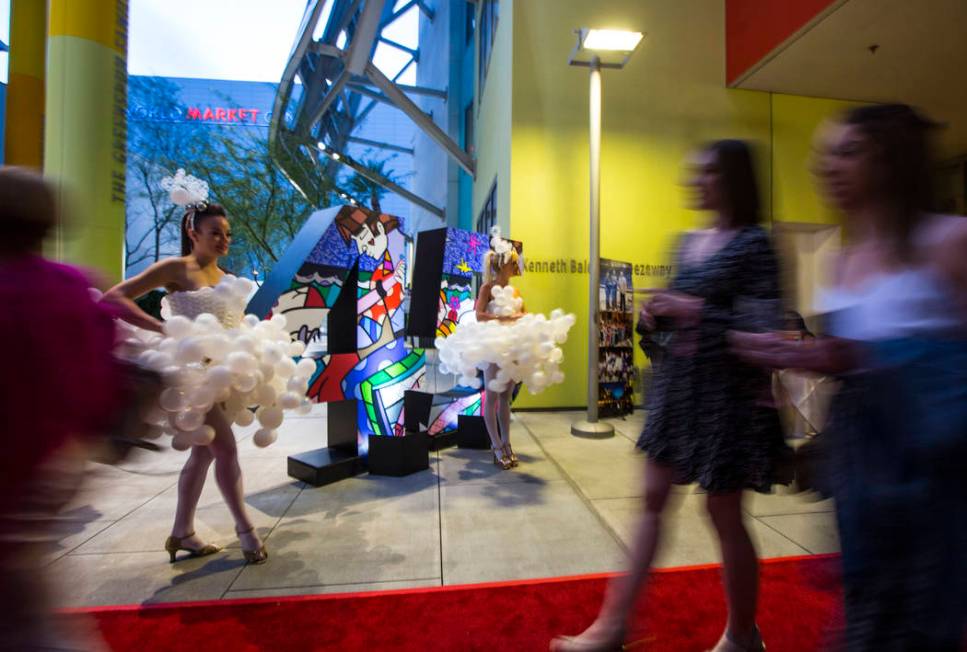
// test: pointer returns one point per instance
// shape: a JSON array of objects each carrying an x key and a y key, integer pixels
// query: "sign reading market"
[{"x": 222, "y": 114}]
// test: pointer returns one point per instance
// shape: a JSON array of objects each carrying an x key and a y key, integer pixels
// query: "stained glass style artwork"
[{"x": 308, "y": 285}]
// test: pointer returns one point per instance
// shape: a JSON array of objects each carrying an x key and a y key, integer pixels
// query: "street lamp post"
[{"x": 597, "y": 49}]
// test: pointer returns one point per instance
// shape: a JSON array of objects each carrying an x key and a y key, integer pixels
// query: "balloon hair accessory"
[
  {"x": 188, "y": 191},
  {"x": 503, "y": 248}
]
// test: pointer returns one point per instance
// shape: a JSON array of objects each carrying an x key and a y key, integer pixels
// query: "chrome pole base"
[{"x": 595, "y": 430}]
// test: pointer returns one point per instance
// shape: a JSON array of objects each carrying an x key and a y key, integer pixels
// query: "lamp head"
[{"x": 611, "y": 48}]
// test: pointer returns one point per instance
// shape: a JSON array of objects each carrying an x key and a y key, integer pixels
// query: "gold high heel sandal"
[
  {"x": 511, "y": 455},
  {"x": 174, "y": 544},
  {"x": 501, "y": 460},
  {"x": 254, "y": 557}
]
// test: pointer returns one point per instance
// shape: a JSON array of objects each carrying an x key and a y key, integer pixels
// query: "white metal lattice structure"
[{"x": 333, "y": 59}]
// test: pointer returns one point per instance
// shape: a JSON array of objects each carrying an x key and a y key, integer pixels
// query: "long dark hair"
[
  {"x": 901, "y": 137},
  {"x": 193, "y": 219},
  {"x": 739, "y": 186}
]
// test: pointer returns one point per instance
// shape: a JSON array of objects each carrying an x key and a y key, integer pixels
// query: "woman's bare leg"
[
  {"x": 619, "y": 600},
  {"x": 740, "y": 564},
  {"x": 228, "y": 475},
  {"x": 503, "y": 413},
  {"x": 491, "y": 402},
  {"x": 190, "y": 485}
]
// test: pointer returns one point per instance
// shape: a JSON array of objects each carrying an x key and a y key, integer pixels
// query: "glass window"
[
  {"x": 471, "y": 20},
  {"x": 488, "y": 214},
  {"x": 468, "y": 129},
  {"x": 489, "y": 10}
]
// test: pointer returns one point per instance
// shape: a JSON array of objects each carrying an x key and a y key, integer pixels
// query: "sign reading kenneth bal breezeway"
[{"x": 573, "y": 266}]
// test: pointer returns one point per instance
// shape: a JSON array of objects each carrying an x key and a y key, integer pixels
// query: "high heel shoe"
[
  {"x": 511, "y": 455},
  {"x": 501, "y": 460},
  {"x": 728, "y": 644},
  {"x": 174, "y": 544},
  {"x": 577, "y": 644},
  {"x": 254, "y": 557},
  {"x": 581, "y": 644}
]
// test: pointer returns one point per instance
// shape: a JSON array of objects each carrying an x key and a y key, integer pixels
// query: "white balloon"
[
  {"x": 290, "y": 400},
  {"x": 296, "y": 348},
  {"x": 306, "y": 367},
  {"x": 265, "y": 394},
  {"x": 177, "y": 327},
  {"x": 219, "y": 377},
  {"x": 223, "y": 394},
  {"x": 305, "y": 407},
  {"x": 265, "y": 437},
  {"x": 223, "y": 291},
  {"x": 172, "y": 400},
  {"x": 286, "y": 368},
  {"x": 272, "y": 354},
  {"x": 244, "y": 417},
  {"x": 181, "y": 441},
  {"x": 146, "y": 359},
  {"x": 202, "y": 397},
  {"x": 245, "y": 383},
  {"x": 189, "y": 420},
  {"x": 278, "y": 322},
  {"x": 250, "y": 320},
  {"x": 218, "y": 346},
  {"x": 241, "y": 363},
  {"x": 180, "y": 196},
  {"x": 189, "y": 350},
  {"x": 267, "y": 370},
  {"x": 154, "y": 414},
  {"x": 270, "y": 417},
  {"x": 245, "y": 343},
  {"x": 207, "y": 321},
  {"x": 296, "y": 385},
  {"x": 203, "y": 435}
]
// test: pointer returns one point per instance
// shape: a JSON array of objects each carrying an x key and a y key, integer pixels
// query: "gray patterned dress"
[{"x": 709, "y": 415}]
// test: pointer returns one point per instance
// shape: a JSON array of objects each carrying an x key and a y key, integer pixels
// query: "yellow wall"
[
  {"x": 794, "y": 121},
  {"x": 670, "y": 98}
]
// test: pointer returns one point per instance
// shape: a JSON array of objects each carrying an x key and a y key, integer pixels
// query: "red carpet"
[{"x": 683, "y": 610}]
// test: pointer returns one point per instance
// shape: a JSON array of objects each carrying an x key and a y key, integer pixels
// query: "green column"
[{"x": 86, "y": 128}]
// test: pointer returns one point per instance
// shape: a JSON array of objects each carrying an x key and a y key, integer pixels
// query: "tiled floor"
[{"x": 568, "y": 509}]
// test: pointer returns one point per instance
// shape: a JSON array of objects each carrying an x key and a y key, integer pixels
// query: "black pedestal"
[
  {"x": 399, "y": 456},
  {"x": 341, "y": 459},
  {"x": 325, "y": 466},
  {"x": 443, "y": 440},
  {"x": 472, "y": 432}
]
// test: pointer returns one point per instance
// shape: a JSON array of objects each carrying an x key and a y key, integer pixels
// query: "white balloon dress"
[
  {"x": 525, "y": 350},
  {"x": 212, "y": 353}
]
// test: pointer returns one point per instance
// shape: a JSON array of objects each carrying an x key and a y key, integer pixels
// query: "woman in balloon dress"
[
  {"x": 215, "y": 361},
  {"x": 505, "y": 342}
]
